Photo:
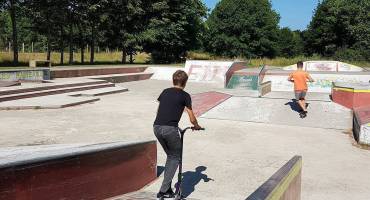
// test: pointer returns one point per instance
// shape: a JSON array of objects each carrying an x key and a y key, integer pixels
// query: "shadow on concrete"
[
  {"x": 160, "y": 170},
  {"x": 295, "y": 106},
  {"x": 193, "y": 178}
]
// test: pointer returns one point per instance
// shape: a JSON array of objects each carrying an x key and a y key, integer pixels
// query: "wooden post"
[{"x": 31, "y": 47}]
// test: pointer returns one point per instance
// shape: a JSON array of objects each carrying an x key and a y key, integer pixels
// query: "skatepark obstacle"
[
  {"x": 285, "y": 184},
  {"x": 74, "y": 172}
]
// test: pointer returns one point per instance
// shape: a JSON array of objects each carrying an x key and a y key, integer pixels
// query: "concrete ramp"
[
  {"x": 322, "y": 114},
  {"x": 217, "y": 73}
]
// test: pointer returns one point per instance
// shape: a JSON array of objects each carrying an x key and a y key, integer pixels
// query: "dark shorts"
[{"x": 300, "y": 95}]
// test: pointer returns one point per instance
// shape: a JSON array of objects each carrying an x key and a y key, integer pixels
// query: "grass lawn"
[
  {"x": 100, "y": 58},
  {"x": 114, "y": 58}
]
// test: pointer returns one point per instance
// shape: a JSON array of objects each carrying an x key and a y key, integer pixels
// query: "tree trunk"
[
  {"x": 49, "y": 50},
  {"x": 82, "y": 54},
  {"x": 70, "y": 44},
  {"x": 82, "y": 45},
  {"x": 124, "y": 54},
  {"x": 92, "y": 51},
  {"x": 61, "y": 45},
  {"x": 131, "y": 58},
  {"x": 15, "y": 32}
]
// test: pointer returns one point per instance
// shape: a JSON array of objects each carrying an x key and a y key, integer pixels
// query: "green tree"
[
  {"x": 174, "y": 27},
  {"x": 339, "y": 26},
  {"x": 290, "y": 43},
  {"x": 123, "y": 26},
  {"x": 246, "y": 28},
  {"x": 12, "y": 7}
]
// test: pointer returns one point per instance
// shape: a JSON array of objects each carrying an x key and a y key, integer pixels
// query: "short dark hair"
[
  {"x": 300, "y": 64},
  {"x": 180, "y": 78}
]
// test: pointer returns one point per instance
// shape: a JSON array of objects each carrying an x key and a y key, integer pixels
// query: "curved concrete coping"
[
  {"x": 20, "y": 156},
  {"x": 285, "y": 184}
]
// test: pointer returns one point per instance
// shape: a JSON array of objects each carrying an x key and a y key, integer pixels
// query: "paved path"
[{"x": 239, "y": 156}]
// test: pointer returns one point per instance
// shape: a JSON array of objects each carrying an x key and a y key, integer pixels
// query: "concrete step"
[
  {"x": 53, "y": 91},
  {"x": 122, "y": 78},
  {"x": 46, "y": 102},
  {"x": 99, "y": 92},
  {"x": 9, "y": 83},
  {"x": 49, "y": 87}
]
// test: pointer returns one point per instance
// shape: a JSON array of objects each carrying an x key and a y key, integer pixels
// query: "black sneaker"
[
  {"x": 166, "y": 195},
  {"x": 303, "y": 114}
]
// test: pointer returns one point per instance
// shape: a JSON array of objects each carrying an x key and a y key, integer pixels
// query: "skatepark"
[{"x": 252, "y": 130}]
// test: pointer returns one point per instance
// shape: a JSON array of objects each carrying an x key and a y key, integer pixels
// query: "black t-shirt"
[{"x": 172, "y": 102}]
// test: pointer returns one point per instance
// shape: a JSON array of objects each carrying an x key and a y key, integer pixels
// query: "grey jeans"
[{"x": 169, "y": 138}]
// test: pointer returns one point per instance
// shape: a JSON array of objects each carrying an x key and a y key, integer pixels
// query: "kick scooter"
[{"x": 178, "y": 193}]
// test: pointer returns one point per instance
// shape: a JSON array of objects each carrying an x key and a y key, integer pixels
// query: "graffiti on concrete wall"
[
  {"x": 326, "y": 66},
  {"x": 322, "y": 66},
  {"x": 208, "y": 71},
  {"x": 243, "y": 81},
  {"x": 28, "y": 75}
]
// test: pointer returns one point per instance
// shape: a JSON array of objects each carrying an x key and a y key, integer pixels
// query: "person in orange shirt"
[{"x": 300, "y": 79}]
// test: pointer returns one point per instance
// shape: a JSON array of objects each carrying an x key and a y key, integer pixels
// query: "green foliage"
[
  {"x": 246, "y": 28},
  {"x": 174, "y": 28},
  {"x": 168, "y": 29},
  {"x": 290, "y": 43},
  {"x": 340, "y": 25}
]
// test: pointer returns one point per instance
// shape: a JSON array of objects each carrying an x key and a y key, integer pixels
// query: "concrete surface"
[
  {"x": 239, "y": 156},
  {"x": 281, "y": 111},
  {"x": 47, "y": 102}
]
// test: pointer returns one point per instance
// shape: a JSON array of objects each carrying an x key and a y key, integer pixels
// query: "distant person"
[
  {"x": 300, "y": 79},
  {"x": 172, "y": 103}
]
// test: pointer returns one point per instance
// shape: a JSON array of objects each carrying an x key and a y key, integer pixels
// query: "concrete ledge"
[
  {"x": 361, "y": 125},
  {"x": 25, "y": 75},
  {"x": 265, "y": 88},
  {"x": 123, "y": 78},
  {"x": 79, "y": 72},
  {"x": 285, "y": 184},
  {"x": 351, "y": 95},
  {"x": 92, "y": 171},
  {"x": 9, "y": 83}
]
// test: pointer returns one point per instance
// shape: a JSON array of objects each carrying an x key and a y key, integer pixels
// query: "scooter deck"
[{"x": 142, "y": 196}]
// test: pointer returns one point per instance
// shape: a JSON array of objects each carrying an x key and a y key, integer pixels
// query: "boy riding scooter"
[{"x": 172, "y": 102}]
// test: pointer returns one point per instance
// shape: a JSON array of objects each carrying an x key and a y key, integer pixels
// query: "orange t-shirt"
[{"x": 300, "y": 79}]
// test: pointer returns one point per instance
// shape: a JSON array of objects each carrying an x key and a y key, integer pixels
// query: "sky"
[{"x": 295, "y": 14}]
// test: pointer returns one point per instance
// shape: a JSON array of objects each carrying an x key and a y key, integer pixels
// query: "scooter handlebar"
[{"x": 192, "y": 128}]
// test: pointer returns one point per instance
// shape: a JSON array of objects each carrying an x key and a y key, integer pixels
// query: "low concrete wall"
[
  {"x": 264, "y": 88},
  {"x": 361, "y": 125},
  {"x": 351, "y": 95},
  {"x": 125, "y": 78},
  {"x": 68, "y": 73},
  {"x": 92, "y": 171},
  {"x": 285, "y": 184},
  {"x": 39, "y": 74}
]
